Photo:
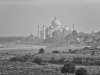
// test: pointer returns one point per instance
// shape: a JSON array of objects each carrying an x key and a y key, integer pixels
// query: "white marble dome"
[
  {"x": 56, "y": 23},
  {"x": 66, "y": 27}
]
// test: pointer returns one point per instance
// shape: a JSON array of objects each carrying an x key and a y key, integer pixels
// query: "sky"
[{"x": 22, "y": 17}]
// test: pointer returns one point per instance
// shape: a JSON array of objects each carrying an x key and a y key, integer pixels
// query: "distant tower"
[
  {"x": 44, "y": 31},
  {"x": 55, "y": 17},
  {"x": 73, "y": 27},
  {"x": 82, "y": 39},
  {"x": 38, "y": 31}
]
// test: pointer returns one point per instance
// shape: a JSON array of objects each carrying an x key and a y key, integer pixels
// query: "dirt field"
[{"x": 9, "y": 50}]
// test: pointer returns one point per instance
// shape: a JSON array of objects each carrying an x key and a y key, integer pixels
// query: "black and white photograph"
[{"x": 49, "y": 37}]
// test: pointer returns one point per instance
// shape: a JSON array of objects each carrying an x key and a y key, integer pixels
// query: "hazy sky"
[{"x": 21, "y": 17}]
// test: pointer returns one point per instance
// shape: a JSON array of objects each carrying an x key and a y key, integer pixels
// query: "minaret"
[
  {"x": 73, "y": 27},
  {"x": 38, "y": 31},
  {"x": 43, "y": 31},
  {"x": 55, "y": 17},
  {"x": 82, "y": 39}
]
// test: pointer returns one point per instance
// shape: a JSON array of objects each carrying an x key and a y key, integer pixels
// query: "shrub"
[
  {"x": 64, "y": 70},
  {"x": 85, "y": 48},
  {"x": 69, "y": 50},
  {"x": 68, "y": 68},
  {"x": 41, "y": 51},
  {"x": 38, "y": 60},
  {"x": 73, "y": 52},
  {"x": 81, "y": 71},
  {"x": 55, "y": 52},
  {"x": 21, "y": 59},
  {"x": 14, "y": 59}
]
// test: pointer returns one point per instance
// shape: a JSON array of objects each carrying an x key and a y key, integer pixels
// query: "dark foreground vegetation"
[
  {"x": 31, "y": 68},
  {"x": 51, "y": 64}
]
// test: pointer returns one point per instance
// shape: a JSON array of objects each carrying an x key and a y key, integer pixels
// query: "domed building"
[
  {"x": 55, "y": 26},
  {"x": 56, "y": 23}
]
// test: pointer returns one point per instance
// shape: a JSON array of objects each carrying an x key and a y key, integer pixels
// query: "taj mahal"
[{"x": 55, "y": 26}]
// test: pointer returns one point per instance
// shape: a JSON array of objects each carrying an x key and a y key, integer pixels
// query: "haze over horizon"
[{"x": 21, "y": 18}]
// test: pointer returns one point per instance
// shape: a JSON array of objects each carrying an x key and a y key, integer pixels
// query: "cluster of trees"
[
  {"x": 30, "y": 38},
  {"x": 62, "y": 60},
  {"x": 74, "y": 37},
  {"x": 29, "y": 57},
  {"x": 69, "y": 68},
  {"x": 87, "y": 61}
]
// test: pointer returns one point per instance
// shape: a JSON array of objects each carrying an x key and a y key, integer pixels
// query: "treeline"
[
  {"x": 29, "y": 38},
  {"x": 10, "y": 39},
  {"x": 74, "y": 37},
  {"x": 87, "y": 61}
]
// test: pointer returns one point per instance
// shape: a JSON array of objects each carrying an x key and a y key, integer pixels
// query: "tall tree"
[
  {"x": 74, "y": 34},
  {"x": 47, "y": 36},
  {"x": 57, "y": 35},
  {"x": 68, "y": 38}
]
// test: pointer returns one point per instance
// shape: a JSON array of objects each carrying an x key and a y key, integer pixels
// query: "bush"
[
  {"x": 85, "y": 48},
  {"x": 41, "y": 51},
  {"x": 21, "y": 59},
  {"x": 38, "y": 60},
  {"x": 74, "y": 51},
  {"x": 68, "y": 68},
  {"x": 55, "y": 52},
  {"x": 69, "y": 50},
  {"x": 14, "y": 59},
  {"x": 64, "y": 70},
  {"x": 81, "y": 71}
]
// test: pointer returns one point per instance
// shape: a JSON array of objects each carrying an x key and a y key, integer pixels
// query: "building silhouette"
[{"x": 55, "y": 26}]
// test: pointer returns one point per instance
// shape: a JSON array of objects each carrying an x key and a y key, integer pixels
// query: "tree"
[
  {"x": 47, "y": 36},
  {"x": 98, "y": 40},
  {"x": 68, "y": 68},
  {"x": 81, "y": 71},
  {"x": 88, "y": 39},
  {"x": 41, "y": 51},
  {"x": 69, "y": 50},
  {"x": 58, "y": 36},
  {"x": 68, "y": 38},
  {"x": 49, "y": 40},
  {"x": 31, "y": 36},
  {"x": 74, "y": 34}
]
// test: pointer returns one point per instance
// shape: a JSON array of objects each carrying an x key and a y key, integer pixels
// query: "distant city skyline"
[{"x": 21, "y": 18}]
